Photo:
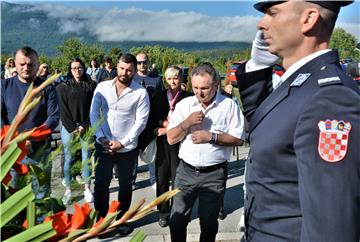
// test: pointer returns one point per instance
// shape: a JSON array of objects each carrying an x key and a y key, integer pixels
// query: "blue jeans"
[
  {"x": 42, "y": 162},
  {"x": 66, "y": 138}
]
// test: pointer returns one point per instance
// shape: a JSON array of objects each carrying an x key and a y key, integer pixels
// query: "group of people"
[{"x": 302, "y": 172}]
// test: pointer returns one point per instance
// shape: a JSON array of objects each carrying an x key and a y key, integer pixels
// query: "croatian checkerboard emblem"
[{"x": 333, "y": 139}]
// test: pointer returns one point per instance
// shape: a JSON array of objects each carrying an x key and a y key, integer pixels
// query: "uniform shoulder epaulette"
[{"x": 329, "y": 77}]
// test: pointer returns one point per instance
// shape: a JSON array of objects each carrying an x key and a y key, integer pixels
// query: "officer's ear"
[{"x": 309, "y": 18}]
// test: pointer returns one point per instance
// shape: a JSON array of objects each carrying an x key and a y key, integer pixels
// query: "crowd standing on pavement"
[{"x": 293, "y": 185}]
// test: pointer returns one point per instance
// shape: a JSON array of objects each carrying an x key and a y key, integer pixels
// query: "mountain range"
[{"x": 21, "y": 27}]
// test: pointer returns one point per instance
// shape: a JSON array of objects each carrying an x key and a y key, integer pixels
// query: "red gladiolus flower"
[
  {"x": 114, "y": 206},
  {"x": 98, "y": 222},
  {"x": 80, "y": 215},
  {"x": 40, "y": 133},
  {"x": 61, "y": 222}
]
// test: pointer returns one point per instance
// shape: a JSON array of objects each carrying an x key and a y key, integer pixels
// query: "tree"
[
  {"x": 114, "y": 54},
  {"x": 345, "y": 43},
  {"x": 89, "y": 52}
]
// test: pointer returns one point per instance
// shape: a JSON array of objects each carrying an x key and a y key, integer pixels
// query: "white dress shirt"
[
  {"x": 124, "y": 117},
  {"x": 223, "y": 115}
]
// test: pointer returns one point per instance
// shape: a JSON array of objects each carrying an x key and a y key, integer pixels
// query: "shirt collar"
[
  {"x": 297, "y": 65},
  {"x": 214, "y": 102}
]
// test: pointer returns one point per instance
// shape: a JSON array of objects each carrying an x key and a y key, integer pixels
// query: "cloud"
[{"x": 135, "y": 24}]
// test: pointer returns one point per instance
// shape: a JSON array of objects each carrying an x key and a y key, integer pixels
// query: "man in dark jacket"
[{"x": 302, "y": 173}]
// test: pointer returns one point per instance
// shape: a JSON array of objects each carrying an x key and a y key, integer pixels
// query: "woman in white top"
[{"x": 9, "y": 68}]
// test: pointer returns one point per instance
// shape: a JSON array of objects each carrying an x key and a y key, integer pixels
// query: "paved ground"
[{"x": 228, "y": 228}]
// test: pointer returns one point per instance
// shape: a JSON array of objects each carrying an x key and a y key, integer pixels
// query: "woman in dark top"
[
  {"x": 75, "y": 95},
  {"x": 167, "y": 158}
]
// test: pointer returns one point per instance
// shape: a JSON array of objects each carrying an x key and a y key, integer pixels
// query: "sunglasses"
[{"x": 142, "y": 62}]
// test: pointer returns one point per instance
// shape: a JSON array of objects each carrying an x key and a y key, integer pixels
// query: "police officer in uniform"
[{"x": 303, "y": 170}]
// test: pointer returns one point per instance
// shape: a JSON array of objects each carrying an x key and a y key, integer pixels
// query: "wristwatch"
[{"x": 213, "y": 138}]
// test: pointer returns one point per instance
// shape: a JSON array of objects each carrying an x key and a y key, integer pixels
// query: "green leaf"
[
  {"x": 91, "y": 218},
  {"x": 75, "y": 233},
  {"x": 138, "y": 237},
  {"x": 30, "y": 214},
  {"x": 40, "y": 174},
  {"x": 8, "y": 159},
  {"x": 40, "y": 232},
  {"x": 15, "y": 204}
]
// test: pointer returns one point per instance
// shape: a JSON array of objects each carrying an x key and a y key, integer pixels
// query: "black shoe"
[
  {"x": 124, "y": 230},
  {"x": 163, "y": 222},
  {"x": 120, "y": 231},
  {"x": 108, "y": 234}
]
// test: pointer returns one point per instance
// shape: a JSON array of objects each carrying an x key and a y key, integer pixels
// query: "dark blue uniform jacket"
[{"x": 293, "y": 193}]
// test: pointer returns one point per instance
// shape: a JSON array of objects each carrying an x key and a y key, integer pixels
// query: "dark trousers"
[
  {"x": 166, "y": 163},
  {"x": 209, "y": 188},
  {"x": 103, "y": 175}
]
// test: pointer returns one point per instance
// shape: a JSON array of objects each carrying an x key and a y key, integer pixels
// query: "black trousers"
[
  {"x": 104, "y": 173},
  {"x": 209, "y": 188},
  {"x": 166, "y": 162}
]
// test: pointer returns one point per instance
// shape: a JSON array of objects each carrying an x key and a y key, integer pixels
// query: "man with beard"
[{"x": 119, "y": 111}]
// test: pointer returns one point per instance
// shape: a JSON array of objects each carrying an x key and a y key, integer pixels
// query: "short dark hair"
[
  {"x": 28, "y": 51},
  {"x": 128, "y": 58},
  {"x": 107, "y": 59},
  {"x": 94, "y": 59},
  {"x": 206, "y": 68}
]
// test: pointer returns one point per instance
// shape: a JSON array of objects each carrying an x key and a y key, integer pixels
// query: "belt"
[{"x": 205, "y": 169}]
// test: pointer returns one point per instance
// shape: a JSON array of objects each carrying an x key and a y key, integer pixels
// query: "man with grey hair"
[
  {"x": 302, "y": 173},
  {"x": 207, "y": 126}
]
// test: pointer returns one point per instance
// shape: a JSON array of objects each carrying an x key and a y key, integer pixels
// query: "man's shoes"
[
  {"x": 124, "y": 230},
  {"x": 164, "y": 222},
  {"x": 67, "y": 197},
  {"x": 120, "y": 231},
  {"x": 88, "y": 196},
  {"x": 153, "y": 186}
]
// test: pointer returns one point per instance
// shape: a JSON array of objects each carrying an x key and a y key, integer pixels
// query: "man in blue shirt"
[{"x": 46, "y": 112}]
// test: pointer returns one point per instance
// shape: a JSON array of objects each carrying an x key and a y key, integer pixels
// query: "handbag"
[{"x": 148, "y": 155}]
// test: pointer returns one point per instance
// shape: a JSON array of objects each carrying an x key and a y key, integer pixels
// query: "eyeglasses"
[
  {"x": 142, "y": 62},
  {"x": 76, "y": 68}
]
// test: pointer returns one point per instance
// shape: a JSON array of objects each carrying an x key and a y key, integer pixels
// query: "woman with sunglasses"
[{"x": 75, "y": 95}]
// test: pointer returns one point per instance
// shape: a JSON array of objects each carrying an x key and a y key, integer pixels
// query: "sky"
[{"x": 203, "y": 21}]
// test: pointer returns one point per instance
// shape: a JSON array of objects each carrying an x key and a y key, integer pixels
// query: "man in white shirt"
[
  {"x": 119, "y": 111},
  {"x": 208, "y": 125}
]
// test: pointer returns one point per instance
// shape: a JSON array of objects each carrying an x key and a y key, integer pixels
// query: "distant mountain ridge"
[{"x": 20, "y": 27}]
